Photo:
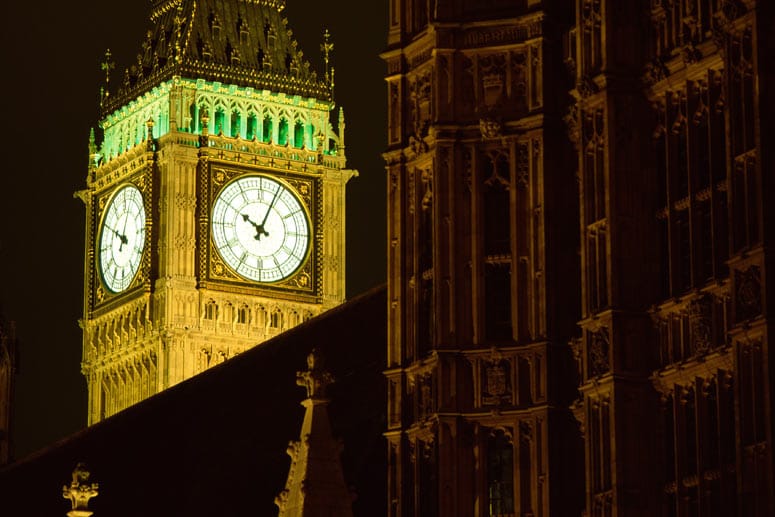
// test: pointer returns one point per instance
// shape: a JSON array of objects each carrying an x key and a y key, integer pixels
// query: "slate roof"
[
  {"x": 242, "y": 42},
  {"x": 216, "y": 443}
]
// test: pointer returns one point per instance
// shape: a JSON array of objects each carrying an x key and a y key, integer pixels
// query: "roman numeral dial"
[
  {"x": 122, "y": 238},
  {"x": 260, "y": 229}
]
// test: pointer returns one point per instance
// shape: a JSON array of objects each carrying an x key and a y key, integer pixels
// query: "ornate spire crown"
[{"x": 242, "y": 42}]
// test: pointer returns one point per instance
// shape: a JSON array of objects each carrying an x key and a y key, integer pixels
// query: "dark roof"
[
  {"x": 242, "y": 42},
  {"x": 216, "y": 443}
]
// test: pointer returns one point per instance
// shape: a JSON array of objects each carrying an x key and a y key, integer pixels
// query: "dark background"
[{"x": 50, "y": 59}]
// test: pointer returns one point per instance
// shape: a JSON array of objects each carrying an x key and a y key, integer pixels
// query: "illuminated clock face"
[
  {"x": 260, "y": 229},
  {"x": 122, "y": 238}
]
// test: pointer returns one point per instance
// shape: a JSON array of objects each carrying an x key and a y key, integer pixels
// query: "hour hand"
[
  {"x": 120, "y": 236},
  {"x": 259, "y": 227}
]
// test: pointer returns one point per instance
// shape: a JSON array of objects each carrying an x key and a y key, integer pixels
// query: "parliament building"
[{"x": 576, "y": 318}]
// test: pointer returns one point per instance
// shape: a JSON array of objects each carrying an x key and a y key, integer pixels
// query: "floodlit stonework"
[{"x": 216, "y": 95}]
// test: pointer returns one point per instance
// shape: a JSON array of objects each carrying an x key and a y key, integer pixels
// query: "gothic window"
[
  {"x": 500, "y": 474},
  {"x": 276, "y": 319},
  {"x": 395, "y": 113},
  {"x": 594, "y": 166},
  {"x": 683, "y": 244},
  {"x": 193, "y": 113},
  {"x": 236, "y": 124},
  {"x": 745, "y": 216},
  {"x": 298, "y": 134},
  {"x": 266, "y": 137},
  {"x": 741, "y": 87},
  {"x": 219, "y": 121},
  {"x": 496, "y": 245},
  {"x": 597, "y": 268},
  {"x": 228, "y": 313},
  {"x": 252, "y": 126},
  {"x": 591, "y": 39},
  {"x": 243, "y": 314},
  {"x": 211, "y": 310},
  {"x": 599, "y": 443},
  {"x": 689, "y": 448},
  {"x": 497, "y": 215},
  {"x": 668, "y": 434},
  {"x": 282, "y": 132},
  {"x": 426, "y": 476},
  {"x": 498, "y": 301},
  {"x": 691, "y": 168},
  {"x": 664, "y": 254}
]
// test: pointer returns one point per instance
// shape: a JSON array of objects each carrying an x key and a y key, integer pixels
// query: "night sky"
[{"x": 51, "y": 54}]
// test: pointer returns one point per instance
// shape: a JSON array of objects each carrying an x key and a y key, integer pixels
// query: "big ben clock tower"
[{"x": 214, "y": 202}]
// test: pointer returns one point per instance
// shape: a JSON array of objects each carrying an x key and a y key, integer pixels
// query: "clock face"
[
  {"x": 122, "y": 238},
  {"x": 260, "y": 229}
]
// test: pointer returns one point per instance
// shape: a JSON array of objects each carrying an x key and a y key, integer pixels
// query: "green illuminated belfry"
[
  {"x": 243, "y": 52},
  {"x": 219, "y": 109}
]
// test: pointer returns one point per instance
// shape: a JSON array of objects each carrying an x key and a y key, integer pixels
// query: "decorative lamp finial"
[
  {"x": 106, "y": 66},
  {"x": 80, "y": 491},
  {"x": 149, "y": 134},
  {"x": 326, "y": 48}
]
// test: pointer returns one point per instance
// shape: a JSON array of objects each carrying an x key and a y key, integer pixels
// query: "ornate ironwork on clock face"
[
  {"x": 122, "y": 238},
  {"x": 260, "y": 228}
]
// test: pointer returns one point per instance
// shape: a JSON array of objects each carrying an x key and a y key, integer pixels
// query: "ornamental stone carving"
[
  {"x": 496, "y": 387},
  {"x": 597, "y": 353},
  {"x": 748, "y": 293},
  {"x": 701, "y": 322}
]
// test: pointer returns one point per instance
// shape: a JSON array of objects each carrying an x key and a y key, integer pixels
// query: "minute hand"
[{"x": 269, "y": 209}]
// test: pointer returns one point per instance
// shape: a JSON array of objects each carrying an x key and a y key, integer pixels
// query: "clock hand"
[
  {"x": 259, "y": 227},
  {"x": 123, "y": 234},
  {"x": 266, "y": 216},
  {"x": 120, "y": 236}
]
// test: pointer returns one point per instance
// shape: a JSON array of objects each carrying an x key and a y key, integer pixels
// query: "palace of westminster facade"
[
  {"x": 578, "y": 253},
  {"x": 578, "y": 241}
]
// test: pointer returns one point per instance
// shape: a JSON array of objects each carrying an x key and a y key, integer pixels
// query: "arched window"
[
  {"x": 267, "y": 136},
  {"x": 252, "y": 126},
  {"x": 210, "y": 310},
  {"x": 282, "y": 133},
  {"x": 193, "y": 112},
  {"x": 242, "y": 314},
  {"x": 500, "y": 474},
  {"x": 298, "y": 134},
  {"x": 276, "y": 320},
  {"x": 236, "y": 123},
  {"x": 219, "y": 120}
]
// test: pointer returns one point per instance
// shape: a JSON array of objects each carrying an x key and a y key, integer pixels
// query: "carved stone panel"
[
  {"x": 748, "y": 293},
  {"x": 598, "y": 362}
]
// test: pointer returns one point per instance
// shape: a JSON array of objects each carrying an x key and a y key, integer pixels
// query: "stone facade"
[{"x": 578, "y": 248}]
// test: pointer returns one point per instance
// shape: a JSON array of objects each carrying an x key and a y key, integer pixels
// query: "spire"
[
  {"x": 326, "y": 48},
  {"x": 106, "y": 66},
  {"x": 230, "y": 41},
  {"x": 315, "y": 483}
]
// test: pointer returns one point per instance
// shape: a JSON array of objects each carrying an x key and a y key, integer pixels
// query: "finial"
[
  {"x": 178, "y": 33},
  {"x": 94, "y": 157},
  {"x": 106, "y": 66},
  {"x": 341, "y": 127},
  {"x": 326, "y": 48},
  {"x": 149, "y": 133},
  {"x": 80, "y": 491},
  {"x": 315, "y": 379}
]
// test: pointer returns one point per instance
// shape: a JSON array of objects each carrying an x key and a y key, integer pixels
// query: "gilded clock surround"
[{"x": 302, "y": 282}]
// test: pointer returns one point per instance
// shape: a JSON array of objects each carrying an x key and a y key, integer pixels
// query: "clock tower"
[{"x": 214, "y": 201}]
